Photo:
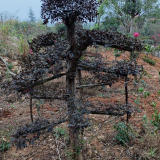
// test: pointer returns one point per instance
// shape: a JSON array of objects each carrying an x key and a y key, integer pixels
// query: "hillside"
[{"x": 99, "y": 137}]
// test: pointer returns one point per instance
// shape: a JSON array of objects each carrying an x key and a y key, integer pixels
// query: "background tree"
[
  {"x": 31, "y": 16},
  {"x": 132, "y": 14}
]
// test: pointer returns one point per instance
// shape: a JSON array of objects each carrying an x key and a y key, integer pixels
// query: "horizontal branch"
[
  {"x": 115, "y": 40},
  {"x": 87, "y": 38},
  {"x": 91, "y": 85},
  {"x": 20, "y": 137},
  {"x": 47, "y": 79},
  {"x": 116, "y": 110},
  {"x": 107, "y": 112},
  {"x": 50, "y": 98},
  {"x": 43, "y": 40},
  {"x": 91, "y": 66}
]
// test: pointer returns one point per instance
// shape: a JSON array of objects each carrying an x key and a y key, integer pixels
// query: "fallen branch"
[{"x": 5, "y": 63}]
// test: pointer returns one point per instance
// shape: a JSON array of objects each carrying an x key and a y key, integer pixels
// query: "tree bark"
[
  {"x": 126, "y": 98},
  {"x": 74, "y": 130},
  {"x": 31, "y": 109},
  {"x": 72, "y": 62},
  {"x": 80, "y": 83}
]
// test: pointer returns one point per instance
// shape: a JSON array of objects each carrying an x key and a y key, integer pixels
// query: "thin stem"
[
  {"x": 126, "y": 98},
  {"x": 31, "y": 109},
  {"x": 80, "y": 82}
]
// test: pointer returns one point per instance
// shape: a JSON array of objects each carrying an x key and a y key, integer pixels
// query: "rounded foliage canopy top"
[{"x": 77, "y": 10}]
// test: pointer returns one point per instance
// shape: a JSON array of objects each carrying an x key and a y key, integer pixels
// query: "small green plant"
[
  {"x": 124, "y": 133},
  {"x": 144, "y": 84},
  {"x": 137, "y": 101},
  {"x": 156, "y": 119},
  {"x": 146, "y": 94},
  {"x": 157, "y": 48},
  {"x": 153, "y": 104},
  {"x": 69, "y": 154},
  {"x": 145, "y": 119},
  {"x": 10, "y": 66},
  {"x": 152, "y": 152},
  {"x": 4, "y": 145},
  {"x": 158, "y": 92},
  {"x": 7, "y": 75},
  {"x": 117, "y": 53},
  {"x": 149, "y": 61},
  {"x": 140, "y": 90},
  {"x": 148, "y": 48},
  {"x": 60, "y": 132}
]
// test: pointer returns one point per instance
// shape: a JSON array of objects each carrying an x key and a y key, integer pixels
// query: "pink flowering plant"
[{"x": 136, "y": 34}]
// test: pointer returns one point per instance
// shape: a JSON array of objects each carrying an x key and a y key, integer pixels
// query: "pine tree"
[{"x": 31, "y": 16}]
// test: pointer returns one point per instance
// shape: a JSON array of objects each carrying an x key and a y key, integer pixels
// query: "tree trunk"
[
  {"x": 80, "y": 83},
  {"x": 31, "y": 109},
  {"x": 74, "y": 130},
  {"x": 126, "y": 98},
  {"x": 73, "y": 119}
]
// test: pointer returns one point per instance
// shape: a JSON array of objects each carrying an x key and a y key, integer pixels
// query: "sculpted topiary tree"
[
  {"x": 70, "y": 12},
  {"x": 65, "y": 55}
]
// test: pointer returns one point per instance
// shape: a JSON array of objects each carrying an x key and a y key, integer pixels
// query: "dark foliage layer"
[
  {"x": 85, "y": 38},
  {"x": 72, "y": 10},
  {"x": 48, "y": 63}
]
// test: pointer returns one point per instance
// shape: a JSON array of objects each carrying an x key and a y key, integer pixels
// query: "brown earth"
[{"x": 99, "y": 139}]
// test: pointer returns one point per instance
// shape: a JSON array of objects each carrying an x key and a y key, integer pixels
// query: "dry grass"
[{"x": 148, "y": 146}]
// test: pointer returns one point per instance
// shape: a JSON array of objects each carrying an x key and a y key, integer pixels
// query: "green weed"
[
  {"x": 4, "y": 145},
  {"x": 146, "y": 94},
  {"x": 140, "y": 90},
  {"x": 137, "y": 101},
  {"x": 149, "y": 61},
  {"x": 10, "y": 66},
  {"x": 60, "y": 132},
  {"x": 153, "y": 104},
  {"x": 156, "y": 119},
  {"x": 158, "y": 92},
  {"x": 152, "y": 152},
  {"x": 124, "y": 133}
]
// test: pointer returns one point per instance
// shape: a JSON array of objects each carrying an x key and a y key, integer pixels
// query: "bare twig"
[
  {"x": 5, "y": 63},
  {"x": 31, "y": 109}
]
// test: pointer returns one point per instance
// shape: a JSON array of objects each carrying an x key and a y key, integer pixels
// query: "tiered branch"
[{"x": 86, "y": 38}]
